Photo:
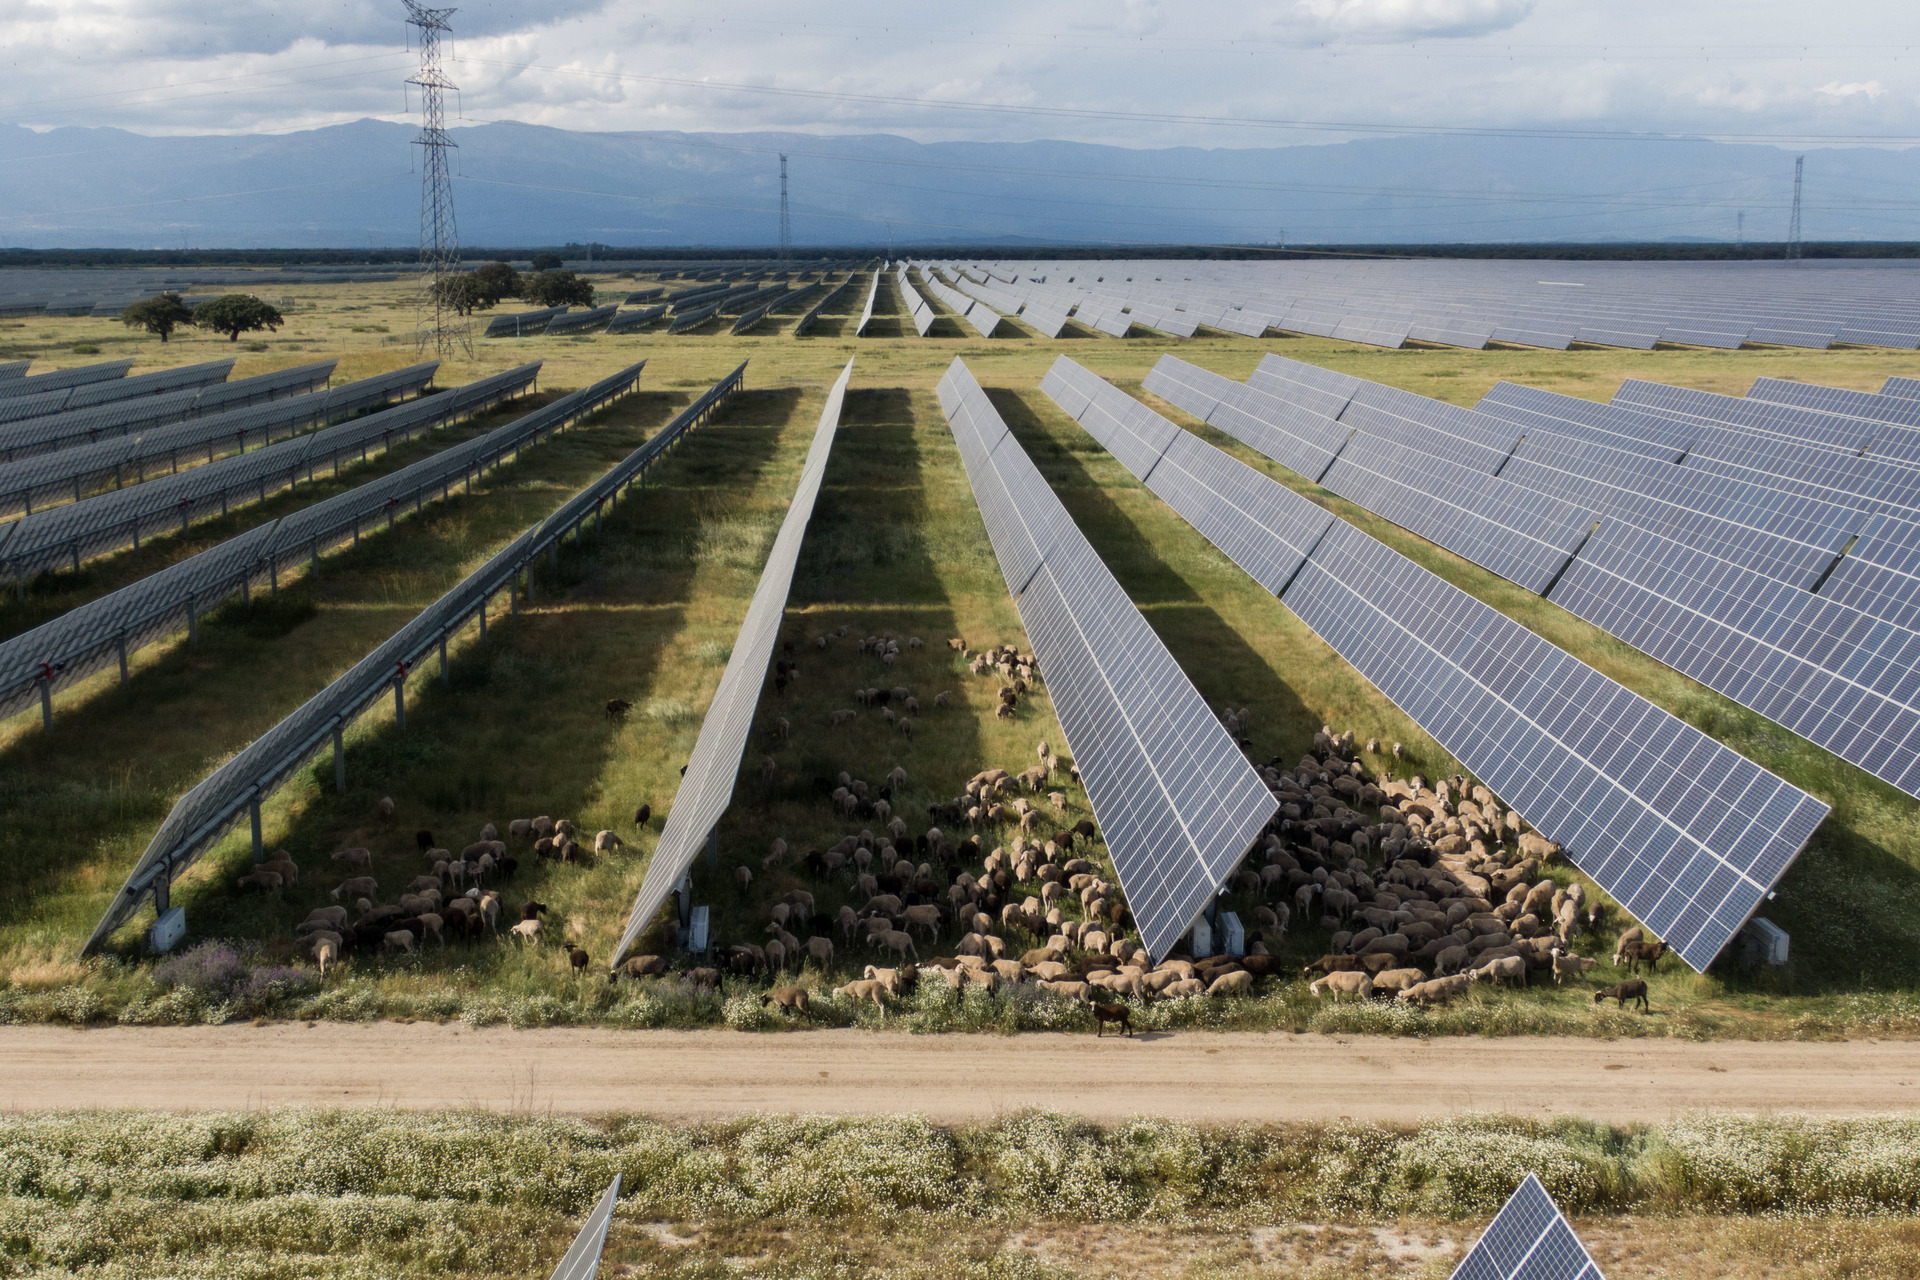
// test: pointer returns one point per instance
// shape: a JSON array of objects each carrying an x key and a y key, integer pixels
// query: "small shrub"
[{"x": 85, "y": 349}]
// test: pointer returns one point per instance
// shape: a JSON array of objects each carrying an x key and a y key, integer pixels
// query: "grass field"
[
  {"x": 1023, "y": 1197},
  {"x": 647, "y": 610}
]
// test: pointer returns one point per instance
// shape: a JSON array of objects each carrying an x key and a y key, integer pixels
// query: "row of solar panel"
[
  {"x": 1178, "y": 804},
  {"x": 67, "y": 474},
  {"x": 205, "y": 813},
  {"x": 95, "y": 635},
  {"x": 20, "y": 398},
  {"x": 707, "y": 783},
  {"x": 1714, "y": 579},
  {"x": 922, "y": 313},
  {"x": 1685, "y": 833},
  {"x": 64, "y": 536}
]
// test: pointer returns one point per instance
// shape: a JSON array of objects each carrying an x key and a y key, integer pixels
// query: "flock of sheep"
[{"x": 1425, "y": 890}]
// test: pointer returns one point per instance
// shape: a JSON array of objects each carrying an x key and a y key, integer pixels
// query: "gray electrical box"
[
  {"x": 1202, "y": 939},
  {"x": 1766, "y": 942},
  {"x": 697, "y": 940},
  {"x": 1233, "y": 936},
  {"x": 168, "y": 929}
]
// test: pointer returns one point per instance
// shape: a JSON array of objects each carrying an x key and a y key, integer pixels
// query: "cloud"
[
  {"x": 1871, "y": 88},
  {"x": 1412, "y": 19}
]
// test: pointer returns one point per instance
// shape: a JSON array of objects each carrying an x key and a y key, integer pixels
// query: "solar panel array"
[
  {"x": 581, "y": 321},
  {"x": 38, "y": 403},
  {"x": 866, "y": 312},
  {"x": 636, "y": 319},
  {"x": 983, "y": 318},
  {"x": 1468, "y": 304},
  {"x": 45, "y": 478},
  {"x": 95, "y": 635},
  {"x": 64, "y": 536},
  {"x": 1764, "y": 558},
  {"x": 923, "y": 313},
  {"x": 522, "y": 324},
  {"x": 206, "y": 812},
  {"x": 1687, "y": 834},
  {"x": 1177, "y": 802},
  {"x": 63, "y": 379},
  {"x": 706, "y": 786},
  {"x": 1529, "y": 1239},
  {"x": 27, "y": 436},
  {"x": 805, "y": 322}
]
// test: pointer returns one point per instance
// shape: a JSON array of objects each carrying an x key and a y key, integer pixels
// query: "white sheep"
[{"x": 1353, "y": 982}]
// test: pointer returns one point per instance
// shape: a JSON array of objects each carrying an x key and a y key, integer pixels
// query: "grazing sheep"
[
  {"x": 1564, "y": 964},
  {"x": 260, "y": 878},
  {"x": 385, "y": 807},
  {"x": 607, "y": 842},
  {"x": 398, "y": 940},
  {"x": 1119, "y": 1014},
  {"x": 326, "y": 952},
  {"x": 1238, "y": 983},
  {"x": 839, "y": 718},
  {"x": 1508, "y": 969},
  {"x": 1633, "y": 989},
  {"x": 1393, "y": 981},
  {"x": 323, "y": 918},
  {"x": 578, "y": 959},
  {"x": 895, "y": 940},
  {"x": 1436, "y": 990},
  {"x": 743, "y": 876},
  {"x": 617, "y": 708},
  {"x": 640, "y": 967},
  {"x": 821, "y": 950},
  {"x": 520, "y": 828},
  {"x": 943, "y": 699},
  {"x": 527, "y": 931},
  {"x": 1643, "y": 952},
  {"x": 356, "y": 887},
  {"x": 791, "y": 999},
  {"x": 906, "y": 727},
  {"x": 1345, "y": 982},
  {"x": 863, "y": 989},
  {"x": 362, "y": 858}
]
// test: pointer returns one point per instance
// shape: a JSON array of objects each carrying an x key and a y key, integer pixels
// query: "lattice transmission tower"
[
  {"x": 786, "y": 222},
  {"x": 436, "y": 323},
  {"x": 1793, "y": 226}
]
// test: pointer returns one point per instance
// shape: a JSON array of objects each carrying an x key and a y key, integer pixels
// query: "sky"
[{"x": 1141, "y": 73}]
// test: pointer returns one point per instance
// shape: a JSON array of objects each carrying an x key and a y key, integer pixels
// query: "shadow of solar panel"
[
  {"x": 1471, "y": 337},
  {"x": 1605, "y": 337},
  {"x": 1811, "y": 339},
  {"x": 707, "y": 785},
  {"x": 1551, "y": 340},
  {"x": 1528, "y": 1240},
  {"x": 1178, "y": 804},
  {"x": 1523, "y": 536}
]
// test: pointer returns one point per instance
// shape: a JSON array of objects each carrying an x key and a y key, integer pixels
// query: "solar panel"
[
  {"x": 1905, "y": 388},
  {"x": 1528, "y": 1239},
  {"x": 1476, "y": 441},
  {"x": 866, "y": 311},
  {"x": 582, "y": 1260},
  {"x": 1686, "y": 833},
  {"x": 1276, "y": 374},
  {"x": 577, "y": 321},
  {"x": 14, "y": 368},
  {"x": 638, "y": 318},
  {"x": 706, "y": 786},
  {"x": 1177, "y": 803},
  {"x": 1856, "y": 404},
  {"x": 62, "y": 379}
]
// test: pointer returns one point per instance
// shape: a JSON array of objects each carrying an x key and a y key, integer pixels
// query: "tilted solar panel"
[
  {"x": 1686, "y": 833},
  {"x": 1855, "y": 404},
  {"x": 65, "y": 379},
  {"x": 1277, "y": 374},
  {"x": 1299, "y": 438},
  {"x": 706, "y": 786},
  {"x": 1905, "y": 388},
  {"x": 1614, "y": 425},
  {"x": 582, "y": 1259},
  {"x": 1177, "y": 802},
  {"x": 1528, "y": 1239}
]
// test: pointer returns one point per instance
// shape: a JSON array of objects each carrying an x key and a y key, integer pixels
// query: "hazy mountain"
[{"x": 519, "y": 184}]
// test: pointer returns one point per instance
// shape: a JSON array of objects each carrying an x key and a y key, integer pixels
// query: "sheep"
[
  {"x": 1072, "y": 990},
  {"x": 356, "y": 887},
  {"x": 926, "y": 916},
  {"x": 617, "y": 708},
  {"x": 326, "y": 952},
  {"x": 431, "y": 922},
  {"x": 1508, "y": 969},
  {"x": 1564, "y": 964},
  {"x": 362, "y": 858},
  {"x": 863, "y": 989},
  {"x": 1345, "y": 982},
  {"x": 906, "y": 727},
  {"x": 578, "y": 959},
  {"x": 839, "y": 718},
  {"x": 1639, "y": 953},
  {"x": 607, "y": 842},
  {"x": 323, "y": 918},
  {"x": 791, "y": 999},
  {"x": 1237, "y": 983},
  {"x": 1436, "y": 990},
  {"x": 640, "y": 967},
  {"x": 1633, "y": 989},
  {"x": 520, "y": 828},
  {"x": 821, "y": 950},
  {"x": 642, "y": 815},
  {"x": 527, "y": 931},
  {"x": 260, "y": 878},
  {"x": 385, "y": 807},
  {"x": 1119, "y": 1014},
  {"x": 895, "y": 940},
  {"x": 1393, "y": 981},
  {"x": 399, "y": 940}
]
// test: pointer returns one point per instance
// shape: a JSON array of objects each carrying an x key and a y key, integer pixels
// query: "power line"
[
  {"x": 786, "y": 219},
  {"x": 1793, "y": 227}
]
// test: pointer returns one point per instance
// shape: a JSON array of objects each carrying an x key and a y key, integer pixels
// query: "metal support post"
[
  {"x": 259, "y": 848},
  {"x": 443, "y": 658},
  {"x": 273, "y": 577},
  {"x": 339, "y": 759},
  {"x": 400, "y": 704},
  {"x": 713, "y": 846},
  {"x": 120, "y": 643},
  {"x": 46, "y": 702},
  {"x": 193, "y": 620},
  {"x": 483, "y": 622}
]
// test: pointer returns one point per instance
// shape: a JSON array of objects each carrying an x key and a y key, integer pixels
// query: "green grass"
[{"x": 647, "y": 609}]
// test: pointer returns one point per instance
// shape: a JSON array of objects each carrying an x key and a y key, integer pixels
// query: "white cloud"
[
  {"x": 1870, "y": 88},
  {"x": 1414, "y": 19}
]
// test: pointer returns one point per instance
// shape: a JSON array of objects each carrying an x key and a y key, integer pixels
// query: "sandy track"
[{"x": 1196, "y": 1076}]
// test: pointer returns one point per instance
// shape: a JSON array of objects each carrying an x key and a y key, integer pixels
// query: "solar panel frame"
[
  {"x": 1529, "y": 1239},
  {"x": 582, "y": 1259}
]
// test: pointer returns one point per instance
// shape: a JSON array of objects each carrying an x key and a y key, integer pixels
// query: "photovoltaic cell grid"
[
  {"x": 866, "y": 311},
  {"x": 205, "y": 813},
  {"x": 1177, "y": 803},
  {"x": 1687, "y": 834},
  {"x": 1529, "y": 1239},
  {"x": 60, "y": 379},
  {"x": 1907, "y": 388},
  {"x": 1303, "y": 439},
  {"x": 706, "y": 788},
  {"x": 1857, "y": 404}
]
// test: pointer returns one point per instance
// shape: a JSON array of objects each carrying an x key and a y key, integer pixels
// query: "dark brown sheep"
[
  {"x": 1116, "y": 1013},
  {"x": 1632, "y": 989}
]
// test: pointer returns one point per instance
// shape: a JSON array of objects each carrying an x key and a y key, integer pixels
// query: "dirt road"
[{"x": 1194, "y": 1076}]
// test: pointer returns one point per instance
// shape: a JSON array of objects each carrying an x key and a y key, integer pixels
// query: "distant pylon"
[
  {"x": 1740, "y": 227},
  {"x": 436, "y": 323},
  {"x": 1793, "y": 227},
  {"x": 786, "y": 223}
]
